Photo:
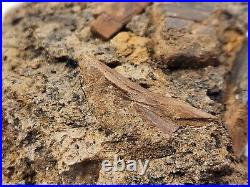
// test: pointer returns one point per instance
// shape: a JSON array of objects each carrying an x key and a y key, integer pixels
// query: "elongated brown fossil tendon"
[{"x": 164, "y": 112}]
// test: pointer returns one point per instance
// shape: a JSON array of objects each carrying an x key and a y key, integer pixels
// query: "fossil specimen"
[
  {"x": 155, "y": 91},
  {"x": 164, "y": 112}
]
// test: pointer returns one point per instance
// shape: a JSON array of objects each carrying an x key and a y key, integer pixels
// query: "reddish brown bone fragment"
[{"x": 115, "y": 17}]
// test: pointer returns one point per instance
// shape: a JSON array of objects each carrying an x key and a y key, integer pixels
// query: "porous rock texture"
[{"x": 62, "y": 117}]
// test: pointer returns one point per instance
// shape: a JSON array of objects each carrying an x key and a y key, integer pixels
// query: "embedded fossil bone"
[
  {"x": 164, "y": 112},
  {"x": 115, "y": 16}
]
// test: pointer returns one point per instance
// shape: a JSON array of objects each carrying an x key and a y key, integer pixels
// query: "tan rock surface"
[
  {"x": 131, "y": 46},
  {"x": 62, "y": 115}
]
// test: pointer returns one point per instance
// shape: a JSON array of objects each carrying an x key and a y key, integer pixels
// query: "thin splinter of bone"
[{"x": 164, "y": 112}]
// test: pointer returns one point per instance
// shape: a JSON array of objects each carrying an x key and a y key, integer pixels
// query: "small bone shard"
[
  {"x": 166, "y": 113},
  {"x": 115, "y": 17}
]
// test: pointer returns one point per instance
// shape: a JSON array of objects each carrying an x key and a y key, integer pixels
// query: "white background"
[{"x": 6, "y": 6}]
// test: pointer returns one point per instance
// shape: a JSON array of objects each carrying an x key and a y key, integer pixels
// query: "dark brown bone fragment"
[
  {"x": 164, "y": 112},
  {"x": 115, "y": 17},
  {"x": 176, "y": 43},
  {"x": 237, "y": 103}
]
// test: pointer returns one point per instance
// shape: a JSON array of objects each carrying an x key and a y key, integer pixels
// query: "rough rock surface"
[{"x": 60, "y": 120}]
